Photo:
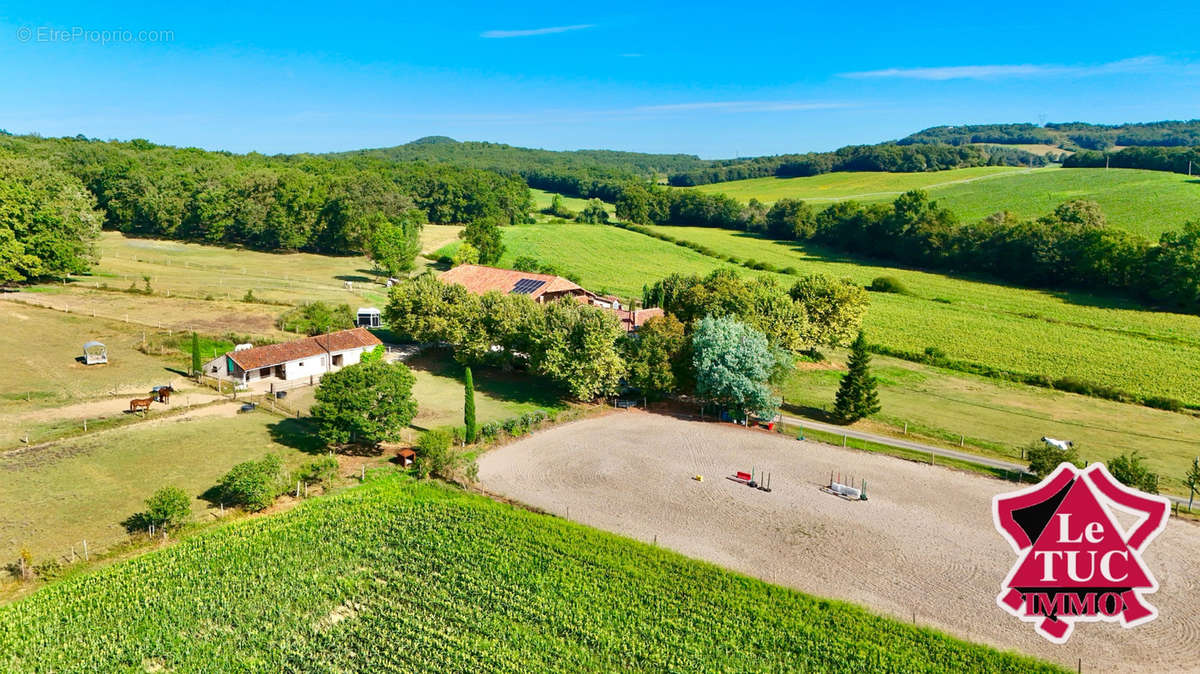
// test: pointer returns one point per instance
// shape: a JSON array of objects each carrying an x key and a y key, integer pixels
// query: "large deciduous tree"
[
  {"x": 734, "y": 366},
  {"x": 484, "y": 234},
  {"x": 365, "y": 403},
  {"x": 655, "y": 355}
]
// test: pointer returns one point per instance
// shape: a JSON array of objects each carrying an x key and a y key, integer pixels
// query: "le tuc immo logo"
[{"x": 1075, "y": 562}]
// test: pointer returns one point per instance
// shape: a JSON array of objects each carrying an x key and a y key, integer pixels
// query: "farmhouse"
[
  {"x": 302, "y": 359},
  {"x": 542, "y": 288}
]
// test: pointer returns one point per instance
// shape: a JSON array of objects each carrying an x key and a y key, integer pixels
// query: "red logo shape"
[{"x": 1075, "y": 563}]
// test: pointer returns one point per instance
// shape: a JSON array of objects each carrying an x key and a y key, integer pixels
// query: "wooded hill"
[{"x": 1069, "y": 136}]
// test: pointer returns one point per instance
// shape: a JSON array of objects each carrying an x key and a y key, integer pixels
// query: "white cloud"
[
  {"x": 500, "y": 34},
  {"x": 985, "y": 72}
]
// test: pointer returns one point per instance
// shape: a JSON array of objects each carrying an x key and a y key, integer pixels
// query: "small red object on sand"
[{"x": 744, "y": 476}]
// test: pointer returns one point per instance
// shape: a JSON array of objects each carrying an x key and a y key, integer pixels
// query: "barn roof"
[
  {"x": 275, "y": 354},
  {"x": 479, "y": 279}
]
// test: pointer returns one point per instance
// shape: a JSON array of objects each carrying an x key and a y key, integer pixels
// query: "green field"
[
  {"x": 55, "y": 496},
  {"x": 859, "y": 185},
  {"x": 399, "y": 576},
  {"x": 999, "y": 418},
  {"x": 1144, "y": 202},
  {"x": 1023, "y": 331}
]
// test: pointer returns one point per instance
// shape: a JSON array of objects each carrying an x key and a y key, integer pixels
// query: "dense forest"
[
  {"x": 1070, "y": 135},
  {"x": 55, "y": 193}
]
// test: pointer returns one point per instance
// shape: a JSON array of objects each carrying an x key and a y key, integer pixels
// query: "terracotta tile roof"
[
  {"x": 479, "y": 279},
  {"x": 632, "y": 320},
  {"x": 274, "y": 354}
]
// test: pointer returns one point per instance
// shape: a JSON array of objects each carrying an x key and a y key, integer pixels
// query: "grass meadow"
[
  {"x": 401, "y": 576},
  {"x": 998, "y": 418},
  {"x": 54, "y": 497},
  {"x": 1145, "y": 202}
]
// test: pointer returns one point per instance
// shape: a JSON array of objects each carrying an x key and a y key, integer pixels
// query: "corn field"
[{"x": 403, "y": 576}]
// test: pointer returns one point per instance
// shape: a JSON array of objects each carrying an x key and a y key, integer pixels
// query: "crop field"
[
  {"x": 398, "y": 576},
  {"x": 859, "y": 185},
  {"x": 1011, "y": 329},
  {"x": 54, "y": 496},
  {"x": 1001, "y": 417},
  {"x": 1143, "y": 202}
]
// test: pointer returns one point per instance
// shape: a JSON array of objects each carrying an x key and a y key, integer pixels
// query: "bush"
[
  {"x": 169, "y": 507},
  {"x": 433, "y": 453},
  {"x": 316, "y": 318},
  {"x": 254, "y": 484},
  {"x": 888, "y": 284},
  {"x": 934, "y": 354},
  {"x": 1043, "y": 458},
  {"x": 321, "y": 471},
  {"x": 1130, "y": 470}
]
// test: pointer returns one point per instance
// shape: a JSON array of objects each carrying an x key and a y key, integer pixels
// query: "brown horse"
[
  {"x": 164, "y": 394},
  {"x": 140, "y": 404}
]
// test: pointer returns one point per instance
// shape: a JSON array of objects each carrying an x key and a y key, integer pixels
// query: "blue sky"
[{"x": 710, "y": 79}]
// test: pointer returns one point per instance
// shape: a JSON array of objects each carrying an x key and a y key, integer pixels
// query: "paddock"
[{"x": 922, "y": 547}]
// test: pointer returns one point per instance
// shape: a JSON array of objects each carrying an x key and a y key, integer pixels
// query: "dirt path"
[{"x": 923, "y": 544}]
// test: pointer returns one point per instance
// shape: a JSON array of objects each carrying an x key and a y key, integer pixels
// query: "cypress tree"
[
  {"x": 469, "y": 405},
  {"x": 856, "y": 396},
  {"x": 195, "y": 354}
]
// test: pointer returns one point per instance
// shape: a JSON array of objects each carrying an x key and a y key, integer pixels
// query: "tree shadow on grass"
[
  {"x": 352, "y": 277},
  {"x": 814, "y": 413},
  {"x": 513, "y": 387},
  {"x": 297, "y": 434}
]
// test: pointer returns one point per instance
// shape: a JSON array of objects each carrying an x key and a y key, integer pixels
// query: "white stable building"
[{"x": 308, "y": 358}]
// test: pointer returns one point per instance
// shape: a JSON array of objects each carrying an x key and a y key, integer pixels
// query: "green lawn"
[
  {"x": 1145, "y": 202},
  {"x": 56, "y": 496},
  {"x": 1001, "y": 417},
  {"x": 400, "y": 576},
  {"x": 498, "y": 395}
]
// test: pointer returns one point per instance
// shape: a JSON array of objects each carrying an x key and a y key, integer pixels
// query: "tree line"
[
  {"x": 888, "y": 157},
  {"x": 1069, "y": 135},
  {"x": 58, "y": 190},
  {"x": 1172, "y": 159}
]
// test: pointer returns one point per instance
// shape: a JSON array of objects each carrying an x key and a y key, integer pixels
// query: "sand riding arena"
[{"x": 921, "y": 547}]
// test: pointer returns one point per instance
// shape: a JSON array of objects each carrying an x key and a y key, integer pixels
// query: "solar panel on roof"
[{"x": 527, "y": 286}]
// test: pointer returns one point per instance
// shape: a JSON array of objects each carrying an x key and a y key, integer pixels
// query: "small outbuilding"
[
  {"x": 95, "y": 353},
  {"x": 368, "y": 317}
]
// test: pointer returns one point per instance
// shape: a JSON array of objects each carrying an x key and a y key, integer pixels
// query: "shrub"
[
  {"x": 888, "y": 284},
  {"x": 321, "y": 471},
  {"x": 1043, "y": 458},
  {"x": 254, "y": 484},
  {"x": 168, "y": 507},
  {"x": 934, "y": 354},
  {"x": 435, "y": 456},
  {"x": 1131, "y": 470}
]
